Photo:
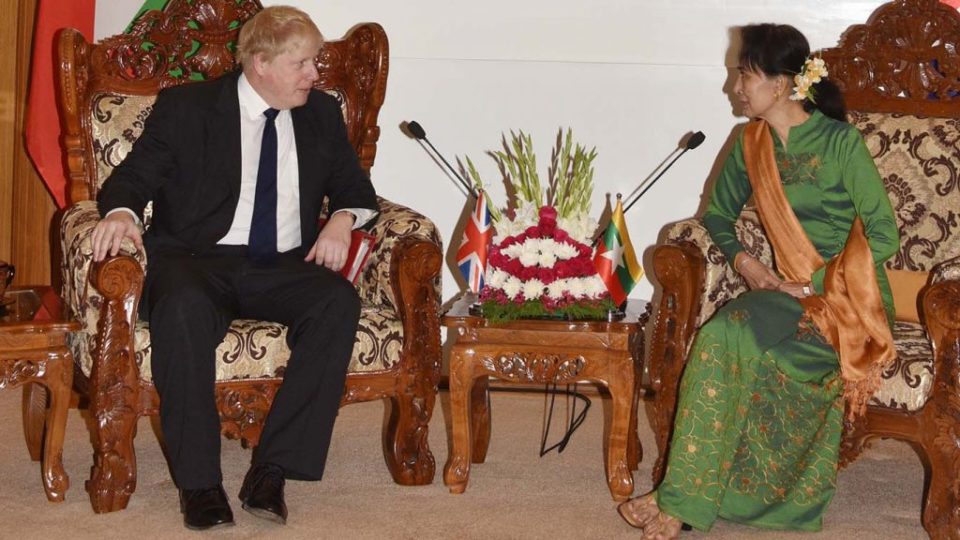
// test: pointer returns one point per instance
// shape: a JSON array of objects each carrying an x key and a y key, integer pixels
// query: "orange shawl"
[{"x": 850, "y": 313}]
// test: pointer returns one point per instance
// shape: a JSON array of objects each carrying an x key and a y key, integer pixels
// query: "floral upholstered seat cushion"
[{"x": 251, "y": 349}]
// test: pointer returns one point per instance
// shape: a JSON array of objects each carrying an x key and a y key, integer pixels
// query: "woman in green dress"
[{"x": 762, "y": 398}]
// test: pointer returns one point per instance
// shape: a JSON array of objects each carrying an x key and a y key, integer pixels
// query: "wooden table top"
[
  {"x": 32, "y": 309},
  {"x": 459, "y": 315}
]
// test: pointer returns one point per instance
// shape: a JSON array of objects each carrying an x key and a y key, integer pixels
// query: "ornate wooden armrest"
[
  {"x": 395, "y": 228},
  {"x": 945, "y": 271},
  {"x": 941, "y": 315},
  {"x": 404, "y": 272}
]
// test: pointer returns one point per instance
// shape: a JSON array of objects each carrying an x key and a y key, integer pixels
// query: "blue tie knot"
[{"x": 271, "y": 114}]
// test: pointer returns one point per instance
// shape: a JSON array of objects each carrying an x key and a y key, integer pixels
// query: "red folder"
[{"x": 361, "y": 245}]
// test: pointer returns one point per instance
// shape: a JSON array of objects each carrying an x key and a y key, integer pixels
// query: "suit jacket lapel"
[
  {"x": 223, "y": 137},
  {"x": 306, "y": 134}
]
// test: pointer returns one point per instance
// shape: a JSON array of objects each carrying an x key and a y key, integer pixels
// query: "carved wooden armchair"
[
  {"x": 106, "y": 91},
  {"x": 900, "y": 73}
]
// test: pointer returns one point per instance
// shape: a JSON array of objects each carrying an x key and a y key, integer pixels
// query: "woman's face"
[{"x": 757, "y": 92}]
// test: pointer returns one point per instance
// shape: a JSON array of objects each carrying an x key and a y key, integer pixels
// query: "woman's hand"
[
  {"x": 757, "y": 274},
  {"x": 796, "y": 290}
]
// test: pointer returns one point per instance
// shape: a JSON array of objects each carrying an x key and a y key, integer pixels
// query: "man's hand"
[
  {"x": 333, "y": 243},
  {"x": 111, "y": 230},
  {"x": 757, "y": 274}
]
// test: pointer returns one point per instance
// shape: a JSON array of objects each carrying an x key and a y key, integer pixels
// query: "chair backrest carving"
[
  {"x": 107, "y": 89},
  {"x": 900, "y": 74}
]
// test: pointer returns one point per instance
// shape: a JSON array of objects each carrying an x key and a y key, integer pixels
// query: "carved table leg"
[
  {"x": 480, "y": 418},
  {"x": 456, "y": 473},
  {"x": 634, "y": 448},
  {"x": 621, "y": 383},
  {"x": 59, "y": 381},
  {"x": 34, "y": 411}
]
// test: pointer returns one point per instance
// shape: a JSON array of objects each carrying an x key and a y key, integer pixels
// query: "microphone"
[
  {"x": 694, "y": 141},
  {"x": 420, "y": 134}
]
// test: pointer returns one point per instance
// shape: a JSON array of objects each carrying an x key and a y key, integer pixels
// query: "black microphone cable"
[{"x": 576, "y": 420}]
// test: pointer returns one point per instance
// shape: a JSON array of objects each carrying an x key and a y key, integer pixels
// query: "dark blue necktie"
[{"x": 263, "y": 226}]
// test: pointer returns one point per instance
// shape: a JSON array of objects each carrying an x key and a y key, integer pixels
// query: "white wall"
[{"x": 630, "y": 77}]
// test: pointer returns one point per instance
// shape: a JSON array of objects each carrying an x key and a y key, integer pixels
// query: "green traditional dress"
[{"x": 757, "y": 431}]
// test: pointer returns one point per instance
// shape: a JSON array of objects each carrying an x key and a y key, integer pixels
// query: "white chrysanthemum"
[
  {"x": 547, "y": 259},
  {"x": 529, "y": 252},
  {"x": 533, "y": 289},
  {"x": 595, "y": 286},
  {"x": 557, "y": 288},
  {"x": 565, "y": 252},
  {"x": 496, "y": 277},
  {"x": 512, "y": 287},
  {"x": 512, "y": 251},
  {"x": 576, "y": 287}
]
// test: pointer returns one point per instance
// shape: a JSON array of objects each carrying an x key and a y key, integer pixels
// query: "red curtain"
[{"x": 43, "y": 122}]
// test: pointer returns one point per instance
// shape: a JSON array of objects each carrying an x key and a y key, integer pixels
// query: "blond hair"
[{"x": 274, "y": 31}]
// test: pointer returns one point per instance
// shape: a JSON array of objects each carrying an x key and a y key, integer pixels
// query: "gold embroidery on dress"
[{"x": 798, "y": 168}]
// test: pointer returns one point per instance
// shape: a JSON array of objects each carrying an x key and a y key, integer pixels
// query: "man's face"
[{"x": 286, "y": 79}]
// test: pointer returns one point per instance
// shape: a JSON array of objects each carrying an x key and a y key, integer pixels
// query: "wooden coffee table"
[
  {"x": 543, "y": 352},
  {"x": 34, "y": 353}
]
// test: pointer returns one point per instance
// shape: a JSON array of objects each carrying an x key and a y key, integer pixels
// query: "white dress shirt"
[{"x": 252, "y": 122}]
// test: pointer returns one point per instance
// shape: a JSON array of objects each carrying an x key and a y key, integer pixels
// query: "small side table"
[
  {"x": 34, "y": 353},
  {"x": 541, "y": 352}
]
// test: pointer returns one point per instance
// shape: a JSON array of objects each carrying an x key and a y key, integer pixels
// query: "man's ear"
[{"x": 260, "y": 62}]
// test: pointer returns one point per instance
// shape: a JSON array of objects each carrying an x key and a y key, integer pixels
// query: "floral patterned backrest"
[
  {"x": 109, "y": 91},
  {"x": 918, "y": 159}
]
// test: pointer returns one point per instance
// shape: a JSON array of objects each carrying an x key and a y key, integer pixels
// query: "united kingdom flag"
[{"x": 472, "y": 255}]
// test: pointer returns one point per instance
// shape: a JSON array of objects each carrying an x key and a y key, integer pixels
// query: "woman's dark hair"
[{"x": 780, "y": 49}]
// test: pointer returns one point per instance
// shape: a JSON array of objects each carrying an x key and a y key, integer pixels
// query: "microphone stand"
[
  {"x": 418, "y": 133},
  {"x": 694, "y": 141}
]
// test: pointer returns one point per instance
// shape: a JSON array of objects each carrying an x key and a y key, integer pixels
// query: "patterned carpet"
[{"x": 515, "y": 494}]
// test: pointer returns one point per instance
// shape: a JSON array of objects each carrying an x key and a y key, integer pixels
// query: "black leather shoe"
[
  {"x": 262, "y": 492},
  {"x": 205, "y": 508}
]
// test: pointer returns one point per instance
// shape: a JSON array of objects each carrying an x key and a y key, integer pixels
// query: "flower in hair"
[{"x": 814, "y": 69}]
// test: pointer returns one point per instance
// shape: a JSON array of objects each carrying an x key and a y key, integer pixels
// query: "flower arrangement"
[
  {"x": 540, "y": 263},
  {"x": 814, "y": 69}
]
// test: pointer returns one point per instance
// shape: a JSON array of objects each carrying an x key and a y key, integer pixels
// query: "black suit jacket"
[{"x": 187, "y": 161}]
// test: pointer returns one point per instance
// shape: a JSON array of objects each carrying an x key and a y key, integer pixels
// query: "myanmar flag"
[{"x": 615, "y": 259}]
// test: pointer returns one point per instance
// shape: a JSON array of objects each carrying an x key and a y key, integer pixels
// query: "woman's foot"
[{"x": 643, "y": 513}]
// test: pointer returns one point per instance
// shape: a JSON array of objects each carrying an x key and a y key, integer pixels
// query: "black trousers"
[{"x": 190, "y": 300}]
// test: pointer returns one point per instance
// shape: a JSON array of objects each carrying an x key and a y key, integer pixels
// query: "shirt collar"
[{"x": 251, "y": 104}]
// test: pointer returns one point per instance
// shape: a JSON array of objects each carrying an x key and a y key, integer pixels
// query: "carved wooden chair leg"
[
  {"x": 480, "y": 419},
  {"x": 34, "y": 415},
  {"x": 113, "y": 477},
  {"x": 941, "y": 444},
  {"x": 405, "y": 436}
]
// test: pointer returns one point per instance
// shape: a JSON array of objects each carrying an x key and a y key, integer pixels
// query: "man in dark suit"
[{"x": 237, "y": 170}]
